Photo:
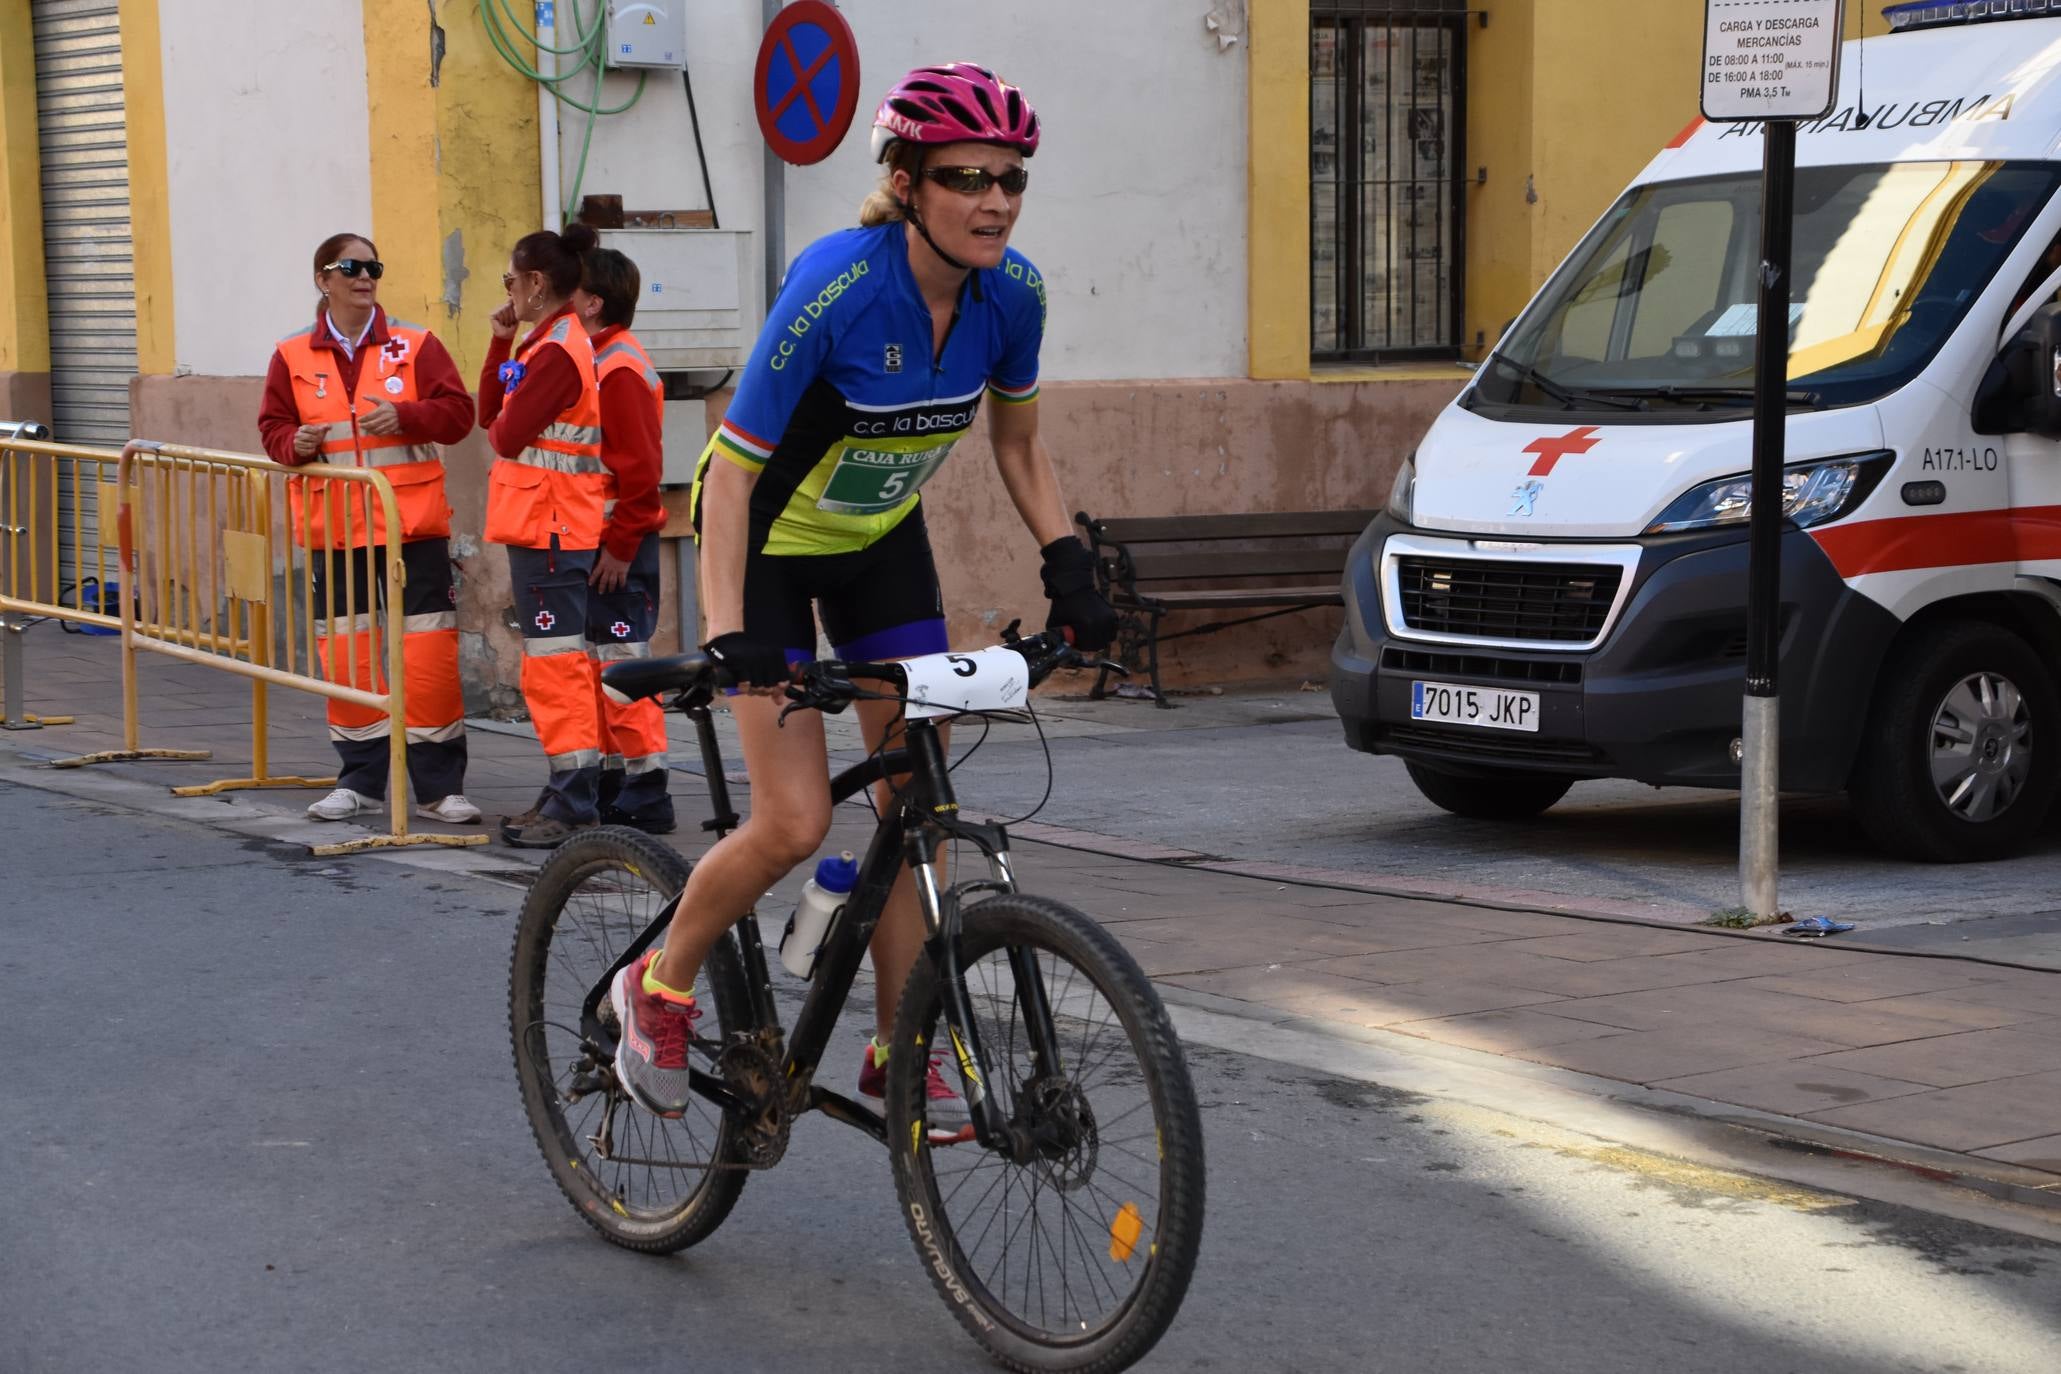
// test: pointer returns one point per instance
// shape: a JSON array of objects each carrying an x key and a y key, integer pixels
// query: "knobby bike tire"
[
  {"x": 932, "y": 1181},
  {"x": 594, "y": 869}
]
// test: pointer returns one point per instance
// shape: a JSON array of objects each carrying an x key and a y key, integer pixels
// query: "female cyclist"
[
  {"x": 358, "y": 389},
  {"x": 546, "y": 496},
  {"x": 872, "y": 365}
]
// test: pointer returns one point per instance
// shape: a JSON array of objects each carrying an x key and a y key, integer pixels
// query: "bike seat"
[{"x": 638, "y": 678}]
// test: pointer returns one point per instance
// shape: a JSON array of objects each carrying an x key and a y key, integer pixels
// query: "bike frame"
[{"x": 910, "y": 833}]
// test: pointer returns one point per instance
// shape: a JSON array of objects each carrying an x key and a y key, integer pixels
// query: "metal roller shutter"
[{"x": 89, "y": 260}]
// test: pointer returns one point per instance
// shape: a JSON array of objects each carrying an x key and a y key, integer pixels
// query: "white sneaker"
[
  {"x": 451, "y": 810},
  {"x": 342, "y": 804}
]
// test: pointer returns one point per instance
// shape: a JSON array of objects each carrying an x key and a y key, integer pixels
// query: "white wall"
[
  {"x": 267, "y": 127},
  {"x": 1136, "y": 213}
]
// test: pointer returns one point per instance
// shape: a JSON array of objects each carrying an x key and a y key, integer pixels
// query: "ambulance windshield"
[{"x": 1656, "y": 309}]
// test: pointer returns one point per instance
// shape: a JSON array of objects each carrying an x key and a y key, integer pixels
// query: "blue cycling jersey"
[{"x": 843, "y": 411}]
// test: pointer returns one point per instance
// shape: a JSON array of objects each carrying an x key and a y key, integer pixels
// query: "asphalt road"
[{"x": 269, "y": 1122}]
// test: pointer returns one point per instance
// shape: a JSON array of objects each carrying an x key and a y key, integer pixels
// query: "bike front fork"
[{"x": 940, "y": 907}]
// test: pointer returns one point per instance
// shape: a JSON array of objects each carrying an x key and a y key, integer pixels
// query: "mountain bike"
[{"x": 1064, "y": 1234}]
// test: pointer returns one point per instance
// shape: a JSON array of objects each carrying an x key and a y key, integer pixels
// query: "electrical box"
[
  {"x": 685, "y": 435},
  {"x": 693, "y": 311},
  {"x": 647, "y": 33}
]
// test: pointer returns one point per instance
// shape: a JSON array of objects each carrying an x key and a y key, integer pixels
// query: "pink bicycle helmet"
[{"x": 957, "y": 102}]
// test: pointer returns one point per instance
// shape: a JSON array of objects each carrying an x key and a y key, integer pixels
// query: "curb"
[{"x": 1140, "y": 851}]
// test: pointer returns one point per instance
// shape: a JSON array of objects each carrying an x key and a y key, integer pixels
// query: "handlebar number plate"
[{"x": 945, "y": 684}]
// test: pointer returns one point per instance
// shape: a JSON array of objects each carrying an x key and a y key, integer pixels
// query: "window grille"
[{"x": 1387, "y": 142}]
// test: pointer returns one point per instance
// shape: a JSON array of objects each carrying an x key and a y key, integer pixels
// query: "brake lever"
[{"x": 1107, "y": 665}]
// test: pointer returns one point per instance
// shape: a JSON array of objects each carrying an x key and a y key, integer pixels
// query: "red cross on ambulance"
[{"x": 1551, "y": 450}]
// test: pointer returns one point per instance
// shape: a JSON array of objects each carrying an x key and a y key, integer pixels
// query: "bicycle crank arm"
[{"x": 840, "y": 1108}]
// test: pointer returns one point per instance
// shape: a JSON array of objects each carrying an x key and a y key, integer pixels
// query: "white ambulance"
[{"x": 1557, "y": 588}]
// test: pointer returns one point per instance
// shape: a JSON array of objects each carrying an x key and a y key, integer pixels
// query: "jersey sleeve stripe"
[
  {"x": 743, "y": 445},
  {"x": 1014, "y": 395}
]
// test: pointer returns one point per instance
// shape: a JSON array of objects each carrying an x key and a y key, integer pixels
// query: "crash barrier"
[
  {"x": 218, "y": 559},
  {"x": 57, "y": 547}
]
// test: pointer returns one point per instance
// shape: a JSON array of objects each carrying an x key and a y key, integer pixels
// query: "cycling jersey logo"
[{"x": 893, "y": 362}]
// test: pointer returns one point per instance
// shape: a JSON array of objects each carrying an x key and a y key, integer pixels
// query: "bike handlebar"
[{"x": 825, "y": 684}]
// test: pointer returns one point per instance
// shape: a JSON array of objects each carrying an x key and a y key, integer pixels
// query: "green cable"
[{"x": 590, "y": 45}]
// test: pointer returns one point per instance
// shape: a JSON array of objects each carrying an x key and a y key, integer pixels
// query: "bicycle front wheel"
[
  {"x": 1075, "y": 1254},
  {"x": 644, "y": 1182}
]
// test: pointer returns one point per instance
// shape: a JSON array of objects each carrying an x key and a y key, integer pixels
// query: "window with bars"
[{"x": 1387, "y": 116}]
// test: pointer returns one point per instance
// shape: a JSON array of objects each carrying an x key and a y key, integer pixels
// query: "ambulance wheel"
[
  {"x": 1963, "y": 750},
  {"x": 1489, "y": 794}
]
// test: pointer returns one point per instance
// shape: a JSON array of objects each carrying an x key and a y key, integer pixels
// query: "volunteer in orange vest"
[
  {"x": 546, "y": 494},
  {"x": 357, "y": 389},
  {"x": 622, "y": 591}
]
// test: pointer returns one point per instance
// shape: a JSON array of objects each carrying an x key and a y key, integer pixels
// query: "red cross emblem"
[
  {"x": 545, "y": 620},
  {"x": 396, "y": 349},
  {"x": 621, "y": 629},
  {"x": 1551, "y": 450}
]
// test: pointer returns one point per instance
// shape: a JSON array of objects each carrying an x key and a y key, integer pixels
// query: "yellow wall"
[
  {"x": 24, "y": 319},
  {"x": 1559, "y": 130},
  {"x": 1501, "y": 137},
  {"x": 455, "y": 180},
  {"x": 1278, "y": 189},
  {"x": 150, "y": 199}
]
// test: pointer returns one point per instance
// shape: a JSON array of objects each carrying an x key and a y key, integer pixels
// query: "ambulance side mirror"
[{"x": 2021, "y": 393}]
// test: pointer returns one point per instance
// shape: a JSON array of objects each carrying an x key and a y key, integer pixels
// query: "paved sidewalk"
[{"x": 1948, "y": 1054}]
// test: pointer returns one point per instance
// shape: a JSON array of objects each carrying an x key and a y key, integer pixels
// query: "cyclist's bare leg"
[
  {"x": 790, "y": 814},
  {"x": 898, "y": 939}
]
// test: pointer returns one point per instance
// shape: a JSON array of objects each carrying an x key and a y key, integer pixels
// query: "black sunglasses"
[
  {"x": 971, "y": 181},
  {"x": 351, "y": 267}
]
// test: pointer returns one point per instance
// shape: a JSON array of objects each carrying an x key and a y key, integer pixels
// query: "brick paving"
[{"x": 1950, "y": 1054}]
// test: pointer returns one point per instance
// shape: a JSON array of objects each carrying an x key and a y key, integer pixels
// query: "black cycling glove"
[
  {"x": 1069, "y": 577},
  {"x": 749, "y": 662}
]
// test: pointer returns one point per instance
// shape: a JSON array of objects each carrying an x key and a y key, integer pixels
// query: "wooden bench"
[{"x": 1271, "y": 564}]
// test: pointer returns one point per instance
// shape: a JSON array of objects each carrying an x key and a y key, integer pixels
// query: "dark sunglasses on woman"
[
  {"x": 351, "y": 267},
  {"x": 971, "y": 181}
]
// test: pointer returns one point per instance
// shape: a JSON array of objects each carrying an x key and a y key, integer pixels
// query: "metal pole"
[
  {"x": 775, "y": 210},
  {"x": 1761, "y": 736},
  {"x": 547, "y": 113},
  {"x": 688, "y": 595}
]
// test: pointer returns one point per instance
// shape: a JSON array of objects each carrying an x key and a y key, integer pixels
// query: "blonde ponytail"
[{"x": 883, "y": 206}]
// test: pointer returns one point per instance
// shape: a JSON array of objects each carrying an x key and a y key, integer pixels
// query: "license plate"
[{"x": 1491, "y": 708}]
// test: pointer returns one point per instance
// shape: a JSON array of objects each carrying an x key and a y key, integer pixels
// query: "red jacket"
[
  {"x": 633, "y": 448},
  {"x": 442, "y": 416},
  {"x": 550, "y": 386}
]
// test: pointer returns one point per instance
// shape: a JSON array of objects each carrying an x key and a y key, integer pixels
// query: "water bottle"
[{"x": 815, "y": 916}]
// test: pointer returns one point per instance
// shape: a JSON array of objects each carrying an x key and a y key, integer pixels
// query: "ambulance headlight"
[
  {"x": 1405, "y": 488},
  {"x": 1812, "y": 494}
]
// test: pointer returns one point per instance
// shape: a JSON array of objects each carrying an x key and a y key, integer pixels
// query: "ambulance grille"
[{"x": 1551, "y": 603}]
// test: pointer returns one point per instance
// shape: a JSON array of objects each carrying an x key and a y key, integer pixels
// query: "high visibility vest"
[
  {"x": 332, "y": 514},
  {"x": 557, "y": 487},
  {"x": 625, "y": 352}
]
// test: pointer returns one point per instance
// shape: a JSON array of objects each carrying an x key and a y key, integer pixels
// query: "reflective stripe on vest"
[{"x": 572, "y": 442}]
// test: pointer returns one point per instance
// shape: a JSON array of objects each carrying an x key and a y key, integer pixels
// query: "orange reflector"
[{"x": 1124, "y": 1232}]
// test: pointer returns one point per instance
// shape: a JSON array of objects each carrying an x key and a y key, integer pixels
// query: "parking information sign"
[{"x": 1771, "y": 59}]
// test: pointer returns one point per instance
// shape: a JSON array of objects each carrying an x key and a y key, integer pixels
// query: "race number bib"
[
  {"x": 945, "y": 684},
  {"x": 867, "y": 481}
]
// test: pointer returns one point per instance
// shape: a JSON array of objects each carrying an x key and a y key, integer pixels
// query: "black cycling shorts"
[{"x": 881, "y": 602}]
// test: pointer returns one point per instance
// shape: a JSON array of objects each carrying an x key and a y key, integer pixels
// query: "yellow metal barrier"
[
  {"x": 57, "y": 547},
  {"x": 201, "y": 558}
]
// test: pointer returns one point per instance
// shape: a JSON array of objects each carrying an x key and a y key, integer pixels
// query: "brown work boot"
[
  {"x": 539, "y": 832},
  {"x": 512, "y": 824}
]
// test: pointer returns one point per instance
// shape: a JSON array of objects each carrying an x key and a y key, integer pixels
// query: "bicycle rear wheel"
[
  {"x": 1076, "y": 1259},
  {"x": 642, "y": 1181}
]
